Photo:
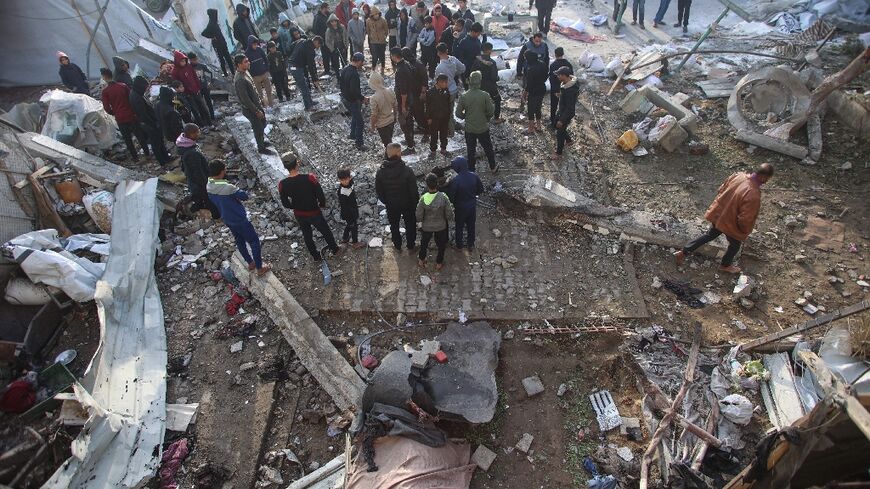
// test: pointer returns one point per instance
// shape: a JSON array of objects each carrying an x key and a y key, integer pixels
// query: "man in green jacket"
[
  {"x": 252, "y": 106},
  {"x": 476, "y": 107}
]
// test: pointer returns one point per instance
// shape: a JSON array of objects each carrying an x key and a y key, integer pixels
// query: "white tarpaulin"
[
  {"x": 78, "y": 120},
  {"x": 42, "y": 256},
  {"x": 124, "y": 388}
]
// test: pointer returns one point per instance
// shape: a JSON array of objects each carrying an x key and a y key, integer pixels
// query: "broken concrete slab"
[
  {"x": 668, "y": 134},
  {"x": 525, "y": 443},
  {"x": 771, "y": 89},
  {"x": 685, "y": 117},
  {"x": 533, "y": 386},
  {"x": 389, "y": 383},
  {"x": 849, "y": 110},
  {"x": 269, "y": 168},
  {"x": 313, "y": 348},
  {"x": 539, "y": 191},
  {"x": 483, "y": 457},
  {"x": 635, "y": 102},
  {"x": 465, "y": 387},
  {"x": 773, "y": 144}
]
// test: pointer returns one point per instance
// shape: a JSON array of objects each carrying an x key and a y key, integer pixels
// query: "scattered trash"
[
  {"x": 605, "y": 409},
  {"x": 736, "y": 408},
  {"x": 628, "y": 141}
]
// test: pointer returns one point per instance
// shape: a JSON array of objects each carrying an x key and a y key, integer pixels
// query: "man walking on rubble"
[
  {"x": 349, "y": 83},
  {"x": 732, "y": 213},
  {"x": 116, "y": 101},
  {"x": 228, "y": 199},
  {"x": 396, "y": 187},
  {"x": 302, "y": 62},
  {"x": 252, "y": 106},
  {"x": 147, "y": 118},
  {"x": 195, "y": 167},
  {"x": 303, "y": 194}
]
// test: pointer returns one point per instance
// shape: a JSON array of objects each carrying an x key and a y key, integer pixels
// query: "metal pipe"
[
  {"x": 703, "y": 38},
  {"x": 93, "y": 35}
]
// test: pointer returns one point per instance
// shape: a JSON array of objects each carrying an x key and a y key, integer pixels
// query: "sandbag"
[
  {"x": 22, "y": 292},
  {"x": 614, "y": 67},
  {"x": 591, "y": 61},
  {"x": 737, "y": 409},
  {"x": 507, "y": 75},
  {"x": 99, "y": 206}
]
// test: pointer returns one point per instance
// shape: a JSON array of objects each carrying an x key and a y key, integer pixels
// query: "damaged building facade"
[{"x": 582, "y": 341}]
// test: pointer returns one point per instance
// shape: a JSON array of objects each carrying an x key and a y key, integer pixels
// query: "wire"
[{"x": 41, "y": 18}]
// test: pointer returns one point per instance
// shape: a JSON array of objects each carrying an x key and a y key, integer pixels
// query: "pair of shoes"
[
  {"x": 362, "y": 148},
  {"x": 263, "y": 270}
]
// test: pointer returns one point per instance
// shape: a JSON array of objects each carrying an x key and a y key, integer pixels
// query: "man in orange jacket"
[{"x": 732, "y": 213}]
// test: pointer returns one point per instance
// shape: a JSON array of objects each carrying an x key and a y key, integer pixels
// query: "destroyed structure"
[{"x": 566, "y": 349}]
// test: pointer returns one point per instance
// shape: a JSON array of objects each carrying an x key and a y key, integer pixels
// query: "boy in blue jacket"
[
  {"x": 463, "y": 191},
  {"x": 228, "y": 199}
]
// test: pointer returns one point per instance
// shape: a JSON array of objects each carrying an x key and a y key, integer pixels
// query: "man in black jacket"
[
  {"x": 321, "y": 23},
  {"x": 569, "y": 91},
  {"x": 349, "y": 84},
  {"x": 488, "y": 69},
  {"x": 419, "y": 86},
  {"x": 559, "y": 62},
  {"x": 148, "y": 119},
  {"x": 469, "y": 49},
  {"x": 545, "y": 13},
  {"x": 453, "y": 35},
  {"x": 244, "y": 26},
  {"x": 218, "y": 42},
  {"x": 396, "y": 187},
  {"x": 71, "y": 75},
  {"x": 302, "y": 62},
  {"x": 252, "y": 105},
  {"x": 168, "y": 118},
  {"x": 404, "y": 97},
  {"x": 438, "y": 113},
  {"x": 303, "y": 193},
  {"x": 195, "y": 167}
]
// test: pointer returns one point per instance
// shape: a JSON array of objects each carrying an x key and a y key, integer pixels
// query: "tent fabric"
[
  {"x": 34, "y": 31},
  {"x": 406, "y": 464}
]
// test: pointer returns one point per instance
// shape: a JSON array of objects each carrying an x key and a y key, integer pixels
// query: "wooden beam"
[
  {"x": 804, "y": 327},
  {"x": 313, "y": 348}
]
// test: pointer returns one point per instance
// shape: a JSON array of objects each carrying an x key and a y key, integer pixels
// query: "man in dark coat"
[
  {"x": 116, "y": 101},
  {"x": 559, "y": 62},
  {"x": 71, "y": 75},
  {"x": 535, "y": 45},
  {"x": 168, "y": 118},
  {"x": 404, "y": 97},
  {"x": 545, "y": 13},
  {"x": 195, "y": 167},
  {"x": 463, "y": 191},
  {"x": 489, "y": 71},
  {"x": 469, "y": 48},
  {"x": 252, "y": 105},
  {"x": 349, "y": 83},
  {"x": 147, "y": 118},
  {"x": 568, "y": 93},
  {"x": 396, "y": 187},
  {"x": 303, "y": 62},
  {"x": 218, "y": 42},
  {"x": 122, "y": 71},
  {"x": 244, "y": 26},
  {"x": 419, "y": 86},
  {"x": 321, "y": 23}
]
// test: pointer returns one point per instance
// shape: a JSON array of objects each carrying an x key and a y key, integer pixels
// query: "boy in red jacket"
[{"x": 116, "y": 101}]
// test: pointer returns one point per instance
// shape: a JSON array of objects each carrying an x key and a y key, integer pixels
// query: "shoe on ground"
[
  {"x": 251, "y": 267},
  {"x": 362, "y": 148},
  {"x": 685, "y": 29},
  {"x": 642, "y": 26},
  {"x": 679, "y": 257},
  {"x": 730, "y": 269},
  {"x": 265, "y": 151},
  {"x": 268, "y": 143},
  {"x": 263, "y": 270},
  {"x": 357, "y": 245},
  {"x": 421, "y": 264},
  {"x": 555, "y": 156},
  {"x": 633, "y": 22},
  {"x": 438, "y": 267},
  {"x": 655, "y": 24},
  {"x": 677, "y": 24}
]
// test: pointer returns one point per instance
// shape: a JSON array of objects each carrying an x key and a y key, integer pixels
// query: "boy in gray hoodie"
[
  {"x": 434, "y": 213},
  {"x": 356, "y": 30}
]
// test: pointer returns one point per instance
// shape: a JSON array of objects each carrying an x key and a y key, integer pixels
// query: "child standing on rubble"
[
  {"x": 349, "y": 209},
  {"x": 195, "y": 167},
  {"x": 228, "y": 199},
  {"x": 434, "y": 213},
  {"x": 438, "y": 114},
  {"x": 278, "y": 71}
]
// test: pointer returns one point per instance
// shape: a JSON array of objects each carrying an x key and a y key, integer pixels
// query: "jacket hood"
[
  {"x": 184, "y": 142},
  {"x": 252, "y": 39},
  {"x": 119, "y": 62},
  {"x": 459, "y": 164},
  {"x": 570, "y": 83},
  {"x": 61, "y": 54},
  {"x": 376, "y": 81},
  {"x": 140, "y": 84},
  {"x": 220, "y": 187},
  {"x": 332, "y": 17},
  {"x": 166, "y": 94},
  {"x": 474, "y": 79},
  {"x": 282, "y": 17},
  {"x": 375, "y": 11},
  {"x": 240, "y": 8},
  {"x": 212, "y": 14},
  {"x": 177, "y": 56}
]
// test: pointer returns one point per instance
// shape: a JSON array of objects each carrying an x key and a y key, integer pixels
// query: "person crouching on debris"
[
  {"x": 228, "y": 199},
  {"x": 195, "y": 167},
  {"x": 438, "y": 113},
  {"x": 732, "y": 213},
  {"x": 116, "y": 101},
  {"x": 396, "y": 187},
  {"x": 569, "y": 91},
  {"x": 71, "y": 75},
  {"x": 463, "y": 191},
  {"x": 303, "y": 193},
  {"x": 434, "y": 213},
  {"x": 252, "y": 106},
  {"x": 383, "y": 104},
  {"x": 349, "y": 209},
  {"x": 278, "y": 71}
]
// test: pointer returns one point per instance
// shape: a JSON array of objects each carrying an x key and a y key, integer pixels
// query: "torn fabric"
[{"x": 124, "y": 388}]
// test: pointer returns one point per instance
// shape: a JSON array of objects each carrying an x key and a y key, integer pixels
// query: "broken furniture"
[
  {"x": 54, "y": 379},
  {"x": 30, "y": 331}
]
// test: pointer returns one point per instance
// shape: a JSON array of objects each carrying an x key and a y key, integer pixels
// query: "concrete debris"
[
  {"x": 685, "y": 117},
  {"x": 744, "y": 286},
  {"x": 237, "y": 346},
  {"x": 533, "y": 386},
  {"x": 525, "y": 443},
  {"x": 539, "y": 191},
  {"x": 668, "y": 134},
  {"x": 625, "y": 454},
  {"x": 483, "y": 457},
  {"x": 563, "y": 388}
]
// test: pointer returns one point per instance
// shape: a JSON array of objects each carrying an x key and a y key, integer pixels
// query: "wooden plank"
[
  {"x": 807, "y": 326},
  {"x": 313, "y": 348},
  {"x": 37, "y": 174},
  {"x": 783, "y": 394}
]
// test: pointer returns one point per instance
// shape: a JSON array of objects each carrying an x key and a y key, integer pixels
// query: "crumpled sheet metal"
[{"x": 124, "y": 388}]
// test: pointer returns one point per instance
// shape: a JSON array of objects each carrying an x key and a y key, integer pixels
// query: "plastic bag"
[
  {"x": 598, "y": 20},
  {"x": 652, "y": 81},
  {"x": 614, "y": 67},
  {"x": 837, "y": 341},
  {"x": 591, "y": 61},
  {"x": 507, "y": 75},
  {"x": 643, "y": 128},
  {"x": 736, "y": 408},
  {"x": 99, "y": 206}
]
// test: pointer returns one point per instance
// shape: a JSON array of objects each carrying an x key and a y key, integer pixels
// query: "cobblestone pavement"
[{"x": 524, "y": 273}]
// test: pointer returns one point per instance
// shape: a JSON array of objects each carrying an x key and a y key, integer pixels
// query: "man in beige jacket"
[
  {"x": 377, "y": 30},
  {"x": 383, "y": 105},
  {"x": 732, "y": 213}
]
